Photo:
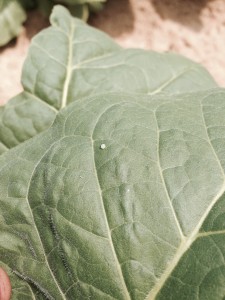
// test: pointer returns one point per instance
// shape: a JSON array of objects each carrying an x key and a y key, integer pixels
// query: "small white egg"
[{"x": 103, "y": 146}]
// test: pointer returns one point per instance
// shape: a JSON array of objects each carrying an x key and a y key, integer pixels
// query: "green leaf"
[
  {"x": 71, "y": 60},
  {"x": 141, "y": 218},
  {"x": 79, "y": 2},
  {"x": 22, "y": 118},
  {"x": 12, "y": 17},
  {"x": 81, "y": 8}
]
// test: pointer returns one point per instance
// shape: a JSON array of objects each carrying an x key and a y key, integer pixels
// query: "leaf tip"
[{"x": 58, "y": 13}]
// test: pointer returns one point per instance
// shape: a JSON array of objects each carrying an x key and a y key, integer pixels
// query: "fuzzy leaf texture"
[
  {"x": 12, "y": 17},
  {"x": 140, "y": 218},
  {"x": 70, "y": 60}
]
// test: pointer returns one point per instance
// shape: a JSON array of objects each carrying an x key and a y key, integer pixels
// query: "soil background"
[{"x": 194, "y": 28}]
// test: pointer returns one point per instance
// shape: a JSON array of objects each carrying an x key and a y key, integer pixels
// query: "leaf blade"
[
  {"x": 87, "y": 62},
  {"x": 67, "y": 198},
  {"x": 12, "y": 17}
]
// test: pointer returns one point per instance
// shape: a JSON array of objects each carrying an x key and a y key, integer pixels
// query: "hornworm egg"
[{"x": 103, "y": 146}]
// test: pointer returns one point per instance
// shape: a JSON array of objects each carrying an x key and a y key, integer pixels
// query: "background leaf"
[
  {"x": 12, "y": 17},
  {"x": 81, "y": 8},
  {"x": 72, "y": 60}
]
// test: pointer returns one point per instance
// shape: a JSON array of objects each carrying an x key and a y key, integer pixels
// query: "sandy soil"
[
  {"x": 194, "y": 28},
  {"x": 13, "y": 55}
]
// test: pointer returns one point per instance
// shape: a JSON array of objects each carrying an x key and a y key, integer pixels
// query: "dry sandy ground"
[{"x": 194, "y": 28}]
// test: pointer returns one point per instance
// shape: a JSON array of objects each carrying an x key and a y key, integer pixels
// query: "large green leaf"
[
  {"x": 71, "y": 60},
  {"x": 12, "y": 14},
  {"x": 142, "y": 218},
  {"x": 12, "y": 17}
]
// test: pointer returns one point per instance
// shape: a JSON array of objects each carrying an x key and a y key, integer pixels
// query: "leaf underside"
[
  {"x": 71, "y": 60},
  {"x": 142, "y": 218}
]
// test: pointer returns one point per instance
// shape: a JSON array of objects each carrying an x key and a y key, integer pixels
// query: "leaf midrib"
[{"x": 69, "y": 69}]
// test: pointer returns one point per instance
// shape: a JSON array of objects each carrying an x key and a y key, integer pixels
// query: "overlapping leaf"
[
  {"x": 13, "y": 14},
  {"x": 82, "y": 8},
  {"x": 71, "y": 60},
  {"x": 141, "y": 219}
]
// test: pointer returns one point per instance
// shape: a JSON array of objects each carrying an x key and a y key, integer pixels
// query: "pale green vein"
[
  {"x": 69, "y": 69},
  {"x": 164, "y": 184},
  {"x": 40, "y": 100},
  {"x": 94, "y": 59},
  {"x": 170, "y": 81},
  {"x": 210, "y": 233}
]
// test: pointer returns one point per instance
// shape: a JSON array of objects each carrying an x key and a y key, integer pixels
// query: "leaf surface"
[
  {"x": 141, "y": 218},
  {"x": 71, "y": 60}
]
